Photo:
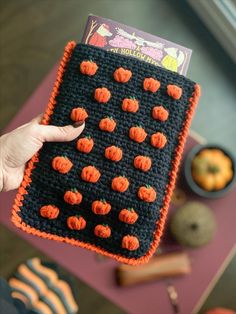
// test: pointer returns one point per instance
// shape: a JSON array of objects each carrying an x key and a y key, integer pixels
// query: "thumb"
[{"x": 50, "y": 133}]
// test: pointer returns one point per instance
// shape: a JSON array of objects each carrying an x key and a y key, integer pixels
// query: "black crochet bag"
[{"x": 109, "y": 190}]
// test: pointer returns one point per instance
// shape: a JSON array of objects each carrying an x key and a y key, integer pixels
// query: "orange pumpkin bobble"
[
  {"x": 102, "y": 95},
  {"x": 85, "y": 144},
  {"x": 174, "y": 91},
  {"x": 73, "y": 197},
  {"x": 88, "y": 67},
  {"x": 143, "y": 163},
  {"x": 147, "y": 194},
  {"x": 102, "y": 231},
  {"x": 78, "y": 114},
  {"x": 130, "y": 243},
  {"x": 76, "y": 222},
  {"x": 61, "y": 164},
  {"x": 90, "y": 174},
  {"x": 49, "y": 211},
  {"x": 101, "y": 207},
  {"x": 151, "y": 85},
  {"x": 107, "y": 124},
  {"x": 137, "y": 134},
  {"x": 122, "y": 75},
  {"x": 160, "y": 113},
  {"x": 113, "y": 153},
  {"x": 128, "y": 215},
  {"x": 158, "y": 140},
  {"x": 120, "y": 184},
  {"x": 130, "y": 105}
]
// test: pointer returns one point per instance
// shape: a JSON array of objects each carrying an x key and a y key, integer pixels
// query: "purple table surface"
[{"x": 150, "y": 298}]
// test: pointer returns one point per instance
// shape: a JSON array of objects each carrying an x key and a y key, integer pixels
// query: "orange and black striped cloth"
[
  {"x": 109, "y": 190},
  {"x": 43, "y": 288}
]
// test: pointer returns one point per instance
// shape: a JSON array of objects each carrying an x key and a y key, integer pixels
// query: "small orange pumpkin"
[
  {"x": 130, "y": 243},
  {"x": 113, "y": 153},
  {"x": 160, "y": 113},
  {"x": 130, "y": 104},
  {"x": 151, "y": 85},
  {"x": 102, "y": 95},
  {"x": 120, "y": 184},
  {"x": 90, "y": 174},
  {"x": 88, "y": 67},
  {"x": 61, "y": 164},
  {"x": 137, "y": 134},
  {"x": 49, "y": 211},
  {"x": 102, "y": 231},
  {"x": 76, "y": 222},
  {"x": 143, "y": 163},
  {"x": 158, "y": 140},
  {"x": 107, "y": 124},
  {"x": 122, "y": 75},
  {"x": 101, "y": 207},
  {"x": 128, "y": 215},
  {"x": 147, "y": 194},
  {"x": 73, "y": 197},
  {"x": 174, "y": 91},
  {"x": 85, "y": 144},
  {"x": 78, "y": 114}
]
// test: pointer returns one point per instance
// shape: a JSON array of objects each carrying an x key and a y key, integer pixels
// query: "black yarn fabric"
[{"x": 76, "y": 90}]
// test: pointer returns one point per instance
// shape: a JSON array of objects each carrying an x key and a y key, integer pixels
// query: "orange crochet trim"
[{"x": 16, "y": 219}]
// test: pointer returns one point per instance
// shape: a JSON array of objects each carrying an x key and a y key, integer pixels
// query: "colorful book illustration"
[{"x": 126, "y": 40}]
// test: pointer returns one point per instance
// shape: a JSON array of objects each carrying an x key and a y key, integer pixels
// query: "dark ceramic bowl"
[{"x": 194, "y": 186}]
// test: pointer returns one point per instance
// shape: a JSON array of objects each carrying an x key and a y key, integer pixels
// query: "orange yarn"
[
  {"x": 102, "y": 231},
  {"x": 113, "y": 153},
  {"x": 120, "y": 184},
  {"x": 151, "y": 85},
  {"x": 88, "y": 67},
  {"x": 137, "y": 134},
  {"x": 62, "y": 164},
  {"x": 101, "y": 207},
  {"x": 143, "y": 163},
  {"x": 102, "y": 95},
  {"x": 76, "y": 222},
  {"x": 16, "y": 208},
  {"x": 147, "y": 194},
  {"x": 107, "y": 124},
  {"x": 130, "y": 105},
  {"x": 122, "y": 75},
  {"x": 160, "y": 113},
  {"x": 130, "y": 243},
  {"x": 90, "y": 174},
  {"x": 174, "y": 91},
  {"x": 73, "y": 197},
  {"x": 158, "y": 140},
  {"x": 49, "y": 211},
  {"x": 78, "y": 114},
  {"x": 85, "y": 144},
  {"x": 128, "y": 215}
]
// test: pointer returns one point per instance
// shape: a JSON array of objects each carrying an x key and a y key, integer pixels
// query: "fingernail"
[{"x": 78, "y": 123}]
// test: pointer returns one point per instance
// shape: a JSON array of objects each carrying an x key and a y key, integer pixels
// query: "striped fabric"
[{"x": 41, "y": 288}]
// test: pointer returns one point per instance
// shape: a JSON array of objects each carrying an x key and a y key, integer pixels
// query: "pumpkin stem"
[
  {"x": 148, "y": 186},
  {"x": 213, "y": 168},
  {"x": 103, "y": 200},
  {"x": 105, "y": 225}
]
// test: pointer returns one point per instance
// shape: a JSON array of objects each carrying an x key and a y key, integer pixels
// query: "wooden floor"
[{"x": 32, "y": 36}]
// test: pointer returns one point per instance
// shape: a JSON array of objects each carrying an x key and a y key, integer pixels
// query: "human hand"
[{"x": 18, "y": 146}]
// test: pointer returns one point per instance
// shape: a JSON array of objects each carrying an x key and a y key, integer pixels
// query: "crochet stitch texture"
[{"x": 134, "y": 242}]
